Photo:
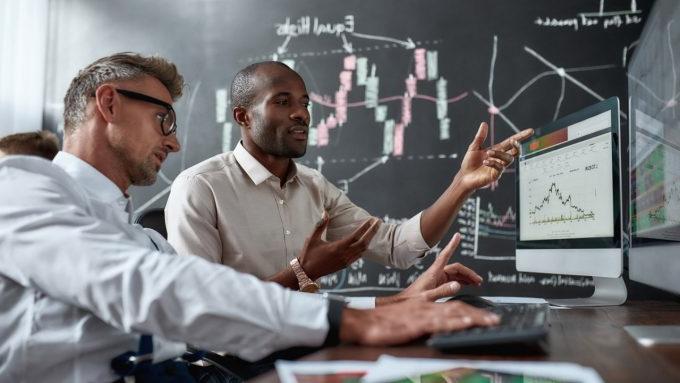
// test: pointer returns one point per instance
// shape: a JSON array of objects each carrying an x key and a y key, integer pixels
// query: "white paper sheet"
[
  {"x": 287, "y": 369},
  {"x": 390, "y": 368}
]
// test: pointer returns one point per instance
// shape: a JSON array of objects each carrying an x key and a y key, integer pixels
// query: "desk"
[{"x": 591, "y": 337}]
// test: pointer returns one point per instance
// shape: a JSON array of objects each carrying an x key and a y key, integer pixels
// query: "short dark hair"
[
  {"x": 243, "y": 85},
  {"x": 41, "y": 143},
  {"x": 117, "y": 67}
]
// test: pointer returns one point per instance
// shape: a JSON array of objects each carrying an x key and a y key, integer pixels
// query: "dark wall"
[{"x": 508, "y": 54}]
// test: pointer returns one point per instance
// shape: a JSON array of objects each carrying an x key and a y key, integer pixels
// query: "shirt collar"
[
  {"x": 97, "y": 185},
  {"x": 254, "y": 169}
]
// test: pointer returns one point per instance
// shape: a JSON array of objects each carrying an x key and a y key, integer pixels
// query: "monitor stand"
[{"x": 608, "y": 292}]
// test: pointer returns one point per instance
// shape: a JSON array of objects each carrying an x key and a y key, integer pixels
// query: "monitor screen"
[
  {"x": 568, "y": 183},
  {"x": 655, "y": 182}
]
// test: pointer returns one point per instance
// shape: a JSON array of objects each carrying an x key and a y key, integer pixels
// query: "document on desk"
[
  {"x": 391, "y": 369},
  {"x": 405, "y": 370},
  {"x": 338, "y": 371}
]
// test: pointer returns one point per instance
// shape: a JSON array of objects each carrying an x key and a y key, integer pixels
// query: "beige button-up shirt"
[{"x": 230, "y": 209}]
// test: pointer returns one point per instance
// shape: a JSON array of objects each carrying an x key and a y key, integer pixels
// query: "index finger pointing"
[
  {"x": 509, "y": 142},
  {"x": 459, "y": 271},
  {"x": 523, "y": 135},
  {"x": 480, "y": 137},
  {"x": 448, "y": 251}
]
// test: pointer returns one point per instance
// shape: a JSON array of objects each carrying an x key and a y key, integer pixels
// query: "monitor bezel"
[{"x": 611, "y": 105}]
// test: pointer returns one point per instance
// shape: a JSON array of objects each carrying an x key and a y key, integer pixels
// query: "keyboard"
[{"x": 520, "y": 323}]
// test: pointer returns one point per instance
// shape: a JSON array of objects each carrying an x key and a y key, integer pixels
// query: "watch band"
[
  {"x": 304, "y": 282},
  {"x": 334, "y": 317}
]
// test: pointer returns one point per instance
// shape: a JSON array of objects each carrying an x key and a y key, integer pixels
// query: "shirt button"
[
  {"x": 287, "y": 232},
  {"x": 280, "y": 202}
]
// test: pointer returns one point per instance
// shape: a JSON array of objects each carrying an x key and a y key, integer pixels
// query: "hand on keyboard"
[
  {"x": 408, "y": 320},
  {"x": 520, "y": 323}
]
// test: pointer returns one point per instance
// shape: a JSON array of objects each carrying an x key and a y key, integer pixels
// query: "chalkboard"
[{"x": 398, "y": 91}]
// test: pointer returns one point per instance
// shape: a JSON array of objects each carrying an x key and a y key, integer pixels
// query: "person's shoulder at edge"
[
  {"x": 18, "y": 169},
  {"x": 209, "y": 166},
  {"x": 34, "y": 165}
]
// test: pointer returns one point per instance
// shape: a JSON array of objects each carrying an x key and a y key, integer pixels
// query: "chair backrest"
[{"x": 154, "y": 219}]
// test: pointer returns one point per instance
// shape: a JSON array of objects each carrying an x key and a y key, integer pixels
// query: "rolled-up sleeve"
[{"x": 409, "y": 244}]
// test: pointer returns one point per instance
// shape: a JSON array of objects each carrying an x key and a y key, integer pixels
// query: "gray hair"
[{"x": 117, "y": 67}]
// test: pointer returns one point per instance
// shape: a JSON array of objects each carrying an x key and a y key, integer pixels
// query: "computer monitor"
[
  {"x": 654, "y": 171},
  {"x": 569, "y": 202}
]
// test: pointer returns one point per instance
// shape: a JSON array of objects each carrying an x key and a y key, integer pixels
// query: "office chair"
[{"x": 153, "y": 219}]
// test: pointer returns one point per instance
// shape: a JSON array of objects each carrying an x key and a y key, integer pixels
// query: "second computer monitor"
[{"x": 569, "y": 201}]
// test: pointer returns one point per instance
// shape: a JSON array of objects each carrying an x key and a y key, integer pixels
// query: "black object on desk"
[
  {"x": 474, "y": 301},
  {"x": 520, "y": 324}
]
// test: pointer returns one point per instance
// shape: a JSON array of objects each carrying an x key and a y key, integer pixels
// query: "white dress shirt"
[
  {"x": 230, "y": 209},
  {"x": 79, "y": 284}
]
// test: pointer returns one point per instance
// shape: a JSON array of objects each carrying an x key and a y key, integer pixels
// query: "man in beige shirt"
[{"x": 253, "y": 208}]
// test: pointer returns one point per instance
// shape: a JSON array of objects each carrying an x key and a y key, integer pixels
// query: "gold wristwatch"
[{"x": 304, "y": 282}]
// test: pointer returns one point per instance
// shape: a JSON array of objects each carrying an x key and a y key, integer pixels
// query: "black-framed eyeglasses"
[{"x": 168, "y": 121}]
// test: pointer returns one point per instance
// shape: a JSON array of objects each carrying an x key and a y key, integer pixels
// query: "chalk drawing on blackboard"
[
  {"x": 564, "y": 75},
  {"x": 476, "y": 221},
  {"x": 626, "y": 52},
  {"x": 426, "y": 69},
  {"x": 315, "y": 26},
  {"x": 601, "y": 12},
  {"x": 495, "y": 109},
  {"x": 594, "y": 19}
]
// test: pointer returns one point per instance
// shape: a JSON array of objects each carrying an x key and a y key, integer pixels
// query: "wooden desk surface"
[{"x": 592, "y": 337}]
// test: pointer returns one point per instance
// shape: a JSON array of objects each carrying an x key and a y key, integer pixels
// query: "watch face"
[{"x": 310, "y": 288}]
